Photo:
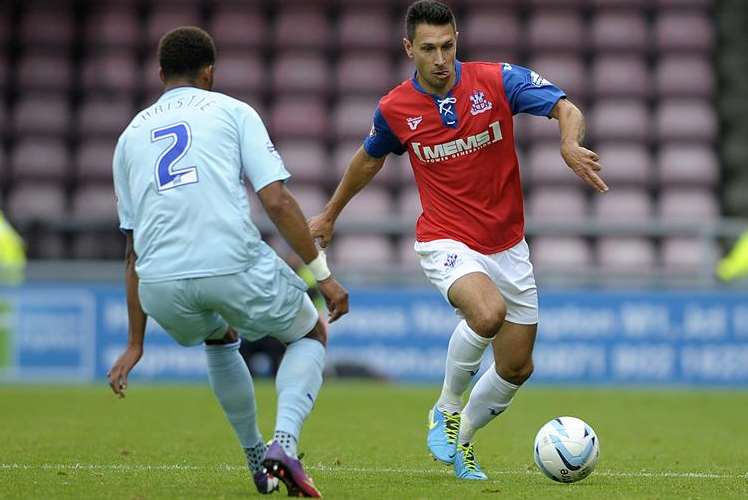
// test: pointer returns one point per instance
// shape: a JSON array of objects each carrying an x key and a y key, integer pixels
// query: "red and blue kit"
[{"x": 461, "y": 148}]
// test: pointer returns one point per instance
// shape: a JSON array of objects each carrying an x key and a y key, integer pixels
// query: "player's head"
[
  {"x": 432, "y": 41},
  {"x": 187, "y": 54}
]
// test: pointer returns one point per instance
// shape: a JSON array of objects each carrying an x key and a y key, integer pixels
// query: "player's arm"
[
  {"x": 284, "y": 211},
  {"x": 528, "y": 92},
  {"x": 287, "y": 216},
  {"x": 135, "y": 314},
  {"x": 364, "y": 165},
  {"x": 264, "y": 168},
  {"x": 359, "y": 173},
  {"x": 117, "y": 375},
  {"x": 136, "y": 325},
  {"x": 584, "y": 162}
]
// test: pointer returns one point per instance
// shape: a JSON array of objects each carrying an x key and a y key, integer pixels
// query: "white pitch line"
[{"x": 344, "y": 469}]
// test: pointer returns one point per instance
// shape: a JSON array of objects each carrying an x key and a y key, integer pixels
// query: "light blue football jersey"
[{"x": 179, "y": 170}]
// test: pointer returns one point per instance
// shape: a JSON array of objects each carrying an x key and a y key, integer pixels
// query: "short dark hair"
[
  {"x": 184, "y": 51},
  {"x": 427, "y": 12}
]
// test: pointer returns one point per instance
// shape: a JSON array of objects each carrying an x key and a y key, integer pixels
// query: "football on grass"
[{"x": 566, "y": 449}]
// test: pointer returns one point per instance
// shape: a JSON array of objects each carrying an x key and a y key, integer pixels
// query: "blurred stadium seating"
[{"x": 73, "y": 72}]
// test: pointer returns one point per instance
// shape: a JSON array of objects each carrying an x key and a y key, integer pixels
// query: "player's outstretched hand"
[
  {"x": 321, "y": 227},
  {"x": 336, "y": 297},
  {"x": 586, "y": 164},
  {"x": 118, "y": 373}
]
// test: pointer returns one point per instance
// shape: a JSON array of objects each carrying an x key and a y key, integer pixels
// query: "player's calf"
[{"x": 513, "y": 352}]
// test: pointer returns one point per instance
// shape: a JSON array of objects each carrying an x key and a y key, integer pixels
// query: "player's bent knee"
[
  {"x": 526, "y": 372},
  {"x": 501, "y": 311},
  {"x": 229, "y": 338},
  {"x": 486, "y": 326},
  {"x": 516, "y": 373},
  {"x": 319, "y": 333},
  {"x": 486, "y": 321}
]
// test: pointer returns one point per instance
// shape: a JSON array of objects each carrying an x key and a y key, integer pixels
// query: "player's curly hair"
[
  {"x": 184, "y": 51},
  {"x": 427, "y": 12}
]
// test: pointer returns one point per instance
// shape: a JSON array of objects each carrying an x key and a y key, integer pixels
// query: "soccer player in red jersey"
[{"x": 455, "y": 121}]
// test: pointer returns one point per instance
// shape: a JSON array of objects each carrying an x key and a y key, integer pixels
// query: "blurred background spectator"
[{"x": 647, "y": 74}]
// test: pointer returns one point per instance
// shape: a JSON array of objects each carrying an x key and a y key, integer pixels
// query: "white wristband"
[{"x": 319, "y": 268}]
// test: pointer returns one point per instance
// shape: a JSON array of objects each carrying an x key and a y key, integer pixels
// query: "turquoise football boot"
[
  {"x": 442, "y": 436},
  {"x": 465, "y": 464}
]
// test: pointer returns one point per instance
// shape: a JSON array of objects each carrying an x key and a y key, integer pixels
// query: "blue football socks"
[
  {"x": 232, "y": 384},
  {"x": 298, "y": 382}
]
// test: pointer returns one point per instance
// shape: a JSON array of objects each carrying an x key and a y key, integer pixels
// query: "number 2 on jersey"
[{"x": 168, "y": 176}]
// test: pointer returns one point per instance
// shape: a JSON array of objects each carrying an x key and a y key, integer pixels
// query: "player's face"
[{"x": 434, "y": 49}]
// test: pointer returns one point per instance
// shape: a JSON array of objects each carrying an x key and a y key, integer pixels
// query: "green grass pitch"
[{"x": 364, "y": 440}]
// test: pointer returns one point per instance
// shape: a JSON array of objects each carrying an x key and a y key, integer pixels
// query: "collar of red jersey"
[{"x": 417, "y": 86}]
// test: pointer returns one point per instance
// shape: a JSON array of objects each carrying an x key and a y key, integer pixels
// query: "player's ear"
[
  {"x": 161, "y": 75},
  {"x": 206, "y": 75},
  {"x": 408, "y": 46}
]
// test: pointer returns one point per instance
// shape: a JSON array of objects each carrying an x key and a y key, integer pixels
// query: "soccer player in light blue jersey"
[{"x": 195, "y": 262}]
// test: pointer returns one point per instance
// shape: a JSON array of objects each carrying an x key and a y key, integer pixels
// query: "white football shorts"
[{"x": 446, "y": 261}]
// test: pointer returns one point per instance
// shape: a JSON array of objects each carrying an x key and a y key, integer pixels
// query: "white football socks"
[
  {"x": 488, "y": 399},
  {"x": 464, "y": 356}
]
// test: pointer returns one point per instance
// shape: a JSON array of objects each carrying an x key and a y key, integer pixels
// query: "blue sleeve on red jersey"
[
  {"x": 382, "y": 141},
  {"x": 528, "y": 92}
]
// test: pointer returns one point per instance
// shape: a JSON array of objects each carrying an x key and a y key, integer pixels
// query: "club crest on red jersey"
[
  {"x": 414, "y": 121},
  {"x": 479, "y": 103}
]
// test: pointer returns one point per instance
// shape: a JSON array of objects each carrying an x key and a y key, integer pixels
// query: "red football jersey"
[{"x": 462, "y": 151}]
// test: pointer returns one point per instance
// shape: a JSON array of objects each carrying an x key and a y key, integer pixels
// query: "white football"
[{"x": 566, "y": 449}]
